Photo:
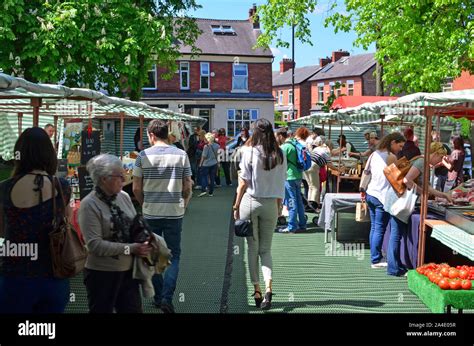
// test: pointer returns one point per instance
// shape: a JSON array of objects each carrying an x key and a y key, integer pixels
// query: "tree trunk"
[
  {"x": 136, "y": 90},
  {"x": 379, "y": 90}
]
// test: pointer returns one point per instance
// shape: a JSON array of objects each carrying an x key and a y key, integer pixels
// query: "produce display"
[
  {"x": 464, "y": 194},
  {"x": 447, "y": 277}
]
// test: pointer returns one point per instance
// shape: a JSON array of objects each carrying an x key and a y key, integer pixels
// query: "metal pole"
[
  {"x": 20, "y": 123},
  {"x": 429, "y": 111},
  {"x": 329, "y": 131},
  {"x": 121, "y": 135},
  {"x": 55, "y": 131},
  {"x": 293, "y": 70},
  {"x": 36, "y": 104},
  {"x": 381, "y": 126},
  {"x": 141, "y": 129}
]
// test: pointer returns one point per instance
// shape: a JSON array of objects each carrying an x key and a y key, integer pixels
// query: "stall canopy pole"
[
  {"x": 329, "y": 131},
  {"x": 55, "y": 131},
  {"x": 20, "y": 123},
  {"x": 121, "y": 135},
  {"x": 36, "y": 104},
  {"x": 141, "y": 129},
  {"x": 429, "y": 112},
  {"x": 340, "y": 147}
]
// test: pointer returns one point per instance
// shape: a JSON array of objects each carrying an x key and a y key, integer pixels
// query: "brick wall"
[
  {"x": 305, "y": 99},
  {"x": 369, "y": 83},
  {"x": 358, "y": 88},
  {"x": 260, "y": 78},
  {"x": 465, "y": 81}
]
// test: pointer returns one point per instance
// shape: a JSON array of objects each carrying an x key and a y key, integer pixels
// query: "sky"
[{"x": 324, "y": 40}]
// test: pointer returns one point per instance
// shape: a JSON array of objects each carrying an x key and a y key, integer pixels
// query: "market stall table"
[
  {"x": 333, "y": 203},
  {"x": 454, "y": 238},
  {"x": 436, "y": 299}
]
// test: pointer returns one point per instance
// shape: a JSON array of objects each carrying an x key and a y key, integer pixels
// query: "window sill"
[
  {"x": 204, "y": 90},
  {"x": 240, "y": 91},
  {"x": 149, "y": 88}
]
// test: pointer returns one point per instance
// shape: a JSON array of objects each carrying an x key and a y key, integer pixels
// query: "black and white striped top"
[{"x": 321, "y": 158}]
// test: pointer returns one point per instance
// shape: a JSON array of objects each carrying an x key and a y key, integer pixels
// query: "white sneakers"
[{"x": 379, "y": 265}]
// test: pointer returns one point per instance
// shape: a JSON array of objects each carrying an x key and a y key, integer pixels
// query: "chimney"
[
  {"x": 324, "y": 61},
  {"x": 253, "y": 18},
  {"x": 285, "y": 65},
  {"x": 339, "y": 54}
]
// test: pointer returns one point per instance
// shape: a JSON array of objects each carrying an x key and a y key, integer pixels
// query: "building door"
[{"x": 206, "y": 114}]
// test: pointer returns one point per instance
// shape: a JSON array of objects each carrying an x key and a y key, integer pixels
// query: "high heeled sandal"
[
  {"x": 267, "y": 302},
  {"x": 258, "y": 301}
]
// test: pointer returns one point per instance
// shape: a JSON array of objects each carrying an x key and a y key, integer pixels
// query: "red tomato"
[
  {"x": 453, "y": 273},
  {"x": 445, "y": 272},
  {"x": 455, "y": 284},
  {"x": 437, "y": 278},
  {"x": 444, "y": 284},
  {"x": 466, "y": 284},
  {"x": 445, "y": 265},
  {"x": 463, "y": 274}
]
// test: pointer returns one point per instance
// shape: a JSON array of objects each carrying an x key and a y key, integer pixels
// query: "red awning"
[{"x": 354, "y": 101}]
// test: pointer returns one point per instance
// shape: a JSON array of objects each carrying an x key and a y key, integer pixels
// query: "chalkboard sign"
[
  {"x": 85, "y": 182},
  {"x": 90, "y": 146},
  {"x": 62, "y": 168}
]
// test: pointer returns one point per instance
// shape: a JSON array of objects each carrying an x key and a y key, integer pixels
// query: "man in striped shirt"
[{"x": 162, "y": 185}]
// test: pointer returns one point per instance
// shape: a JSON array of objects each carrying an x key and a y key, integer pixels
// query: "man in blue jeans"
[
  {"x": 293, "y": 197},
  {"x": 162, "y": 185}
]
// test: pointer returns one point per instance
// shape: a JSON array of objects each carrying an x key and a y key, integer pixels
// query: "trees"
[
  {"x": 108, "y": 44},
  {"x": 419, "y": 43}
]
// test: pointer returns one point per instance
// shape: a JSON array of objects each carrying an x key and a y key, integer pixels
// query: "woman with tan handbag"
[
  {"x": 376, "y": 190},
  {"x": 27, "y": 283}
]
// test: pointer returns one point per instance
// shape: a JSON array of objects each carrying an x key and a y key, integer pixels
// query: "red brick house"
[
  {"x": 354, "y": 73},
  {"x": 285, "y": 102},
  {"x": 229, "y": 83},
  {"x": 464, "y": 81}
]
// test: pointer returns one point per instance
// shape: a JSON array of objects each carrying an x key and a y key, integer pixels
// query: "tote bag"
[{"x": 405, "y": 205}]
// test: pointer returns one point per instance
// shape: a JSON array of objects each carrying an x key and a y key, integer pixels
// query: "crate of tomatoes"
[{"x": 447, "y": 277}]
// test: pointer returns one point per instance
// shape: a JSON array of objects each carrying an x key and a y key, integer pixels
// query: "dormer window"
[{"x": 223, "y": 30}]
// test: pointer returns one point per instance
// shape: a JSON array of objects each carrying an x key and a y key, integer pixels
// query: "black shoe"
[
  {"x": 258, "y": 301},
  {"x": 267, "y": 302},
  {"x": 167, "y": 308}
]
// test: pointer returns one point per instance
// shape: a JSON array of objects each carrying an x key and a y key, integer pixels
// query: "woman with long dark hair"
[
  {"x": 27, "y": 284},
  {"x": 454, "y": 163},
  {"x": 259, "y": 194}
]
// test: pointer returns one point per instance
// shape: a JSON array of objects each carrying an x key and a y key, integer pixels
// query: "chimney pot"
[
  {"x": 285, "y": 65},
  {"x": 339, "y": 54}
]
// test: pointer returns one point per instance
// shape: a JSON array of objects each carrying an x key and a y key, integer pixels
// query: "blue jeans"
[
  {"x": 379, "y": 219},
  {"x": 165, "y": 284},
  {"x": 208, "y": 176},
  {"x": 294, "y": 203},
  {"x": 33, "y": 295},
  {"x": 397, "y": 230}
]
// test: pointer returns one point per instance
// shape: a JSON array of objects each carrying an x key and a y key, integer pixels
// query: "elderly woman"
[
  {"x": 209, "y": 165},
  {"x": 105, "y": 217}
]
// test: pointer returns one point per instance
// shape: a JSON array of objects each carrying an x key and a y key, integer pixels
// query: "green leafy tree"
[
  {"x": 101, "y": 44},
  {"x": 419, "y": 43}
]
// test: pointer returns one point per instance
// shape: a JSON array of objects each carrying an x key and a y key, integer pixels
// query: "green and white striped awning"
[
  {"x": 322, "y": 118},
  {"x": 64, "y": 102}
]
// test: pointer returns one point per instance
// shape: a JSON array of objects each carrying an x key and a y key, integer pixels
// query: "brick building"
[
  {"x": 229, "y": 83},
  {"x": 285, "y": 101},
  {"x": 355, "y": 75}
]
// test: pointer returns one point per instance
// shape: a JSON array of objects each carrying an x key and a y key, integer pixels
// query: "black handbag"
[{"x": 244, "y": 228}]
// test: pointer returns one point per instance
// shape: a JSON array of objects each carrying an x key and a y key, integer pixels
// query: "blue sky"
[{"x": 324, "y": 39}]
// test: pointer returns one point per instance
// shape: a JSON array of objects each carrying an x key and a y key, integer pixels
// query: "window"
[
  {"x": 184, "y": 75},
  {"x": 152, "y": 82},
  {"x": 237, "y": 119},
  {"x": 205, "y": 72},
  {"x": 321, "y": 92},
  {"x": 448, "y": 87},
  {"x": 223, "y": 30},
  {"x": 290, "y": 97},
  {"x": 332, "y": 87},
  {"x": 280, "y": 100},
  {"x": 339, "y": 91},
  {"x": 350, "y": 87},
  {"x": 240, "y": 77}
]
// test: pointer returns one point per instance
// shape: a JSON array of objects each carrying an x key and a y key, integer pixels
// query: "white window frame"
[
  {"x": 350, "y": 87},
  {"x": 208, "y": 75},
  {"x": 448, "y": 87},
  {"x": 234, "y": 90},
  {"x": 290, "y": 93},
  {"x": 280, "y": 97},
  {"x": 339, "y": 90},
  {"x": 320, "y": 92},
  {"x": 332, "y": 88},
  {"x": 232, "y": 113},
  {"x": 181, "y": 64},
  {"x": 156, "y": 79}
]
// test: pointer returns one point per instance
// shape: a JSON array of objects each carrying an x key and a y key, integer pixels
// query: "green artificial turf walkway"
[{"x": 306, "y": 278}]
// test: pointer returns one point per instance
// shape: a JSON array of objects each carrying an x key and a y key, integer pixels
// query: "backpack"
[{"x": 303, "y": 156}]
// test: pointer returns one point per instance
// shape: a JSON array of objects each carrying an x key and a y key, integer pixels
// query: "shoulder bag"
[
  {"x": 68, "y": 252},
  {"x": 366, "y": 175},
  {"x": 396, "y": 172},
  {"x": 244, "y": 228}
]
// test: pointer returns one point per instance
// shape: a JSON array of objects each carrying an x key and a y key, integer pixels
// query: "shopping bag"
[
  {"x": 362, "y": 212},
  {"x": 405, "y": 205}
]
